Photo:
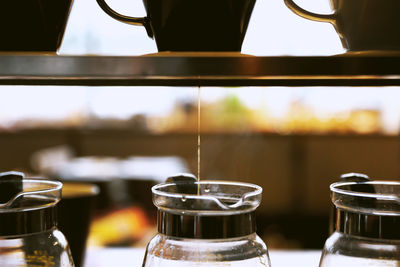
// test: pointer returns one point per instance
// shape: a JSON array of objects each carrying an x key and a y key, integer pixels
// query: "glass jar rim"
[
  {"x": 46, "y": 191},
  {"x": 379, "y": 202},
  {"x": 207, "y": 202},
  {"x": 334, "y": 188}
]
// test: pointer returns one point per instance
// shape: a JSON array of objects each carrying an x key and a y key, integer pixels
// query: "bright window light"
[{"x": 273, "y": 30}]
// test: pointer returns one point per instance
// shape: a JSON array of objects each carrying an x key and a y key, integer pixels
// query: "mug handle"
[
  {"x": 331, "y": 18},
  {"x": 138, "y": 21}
]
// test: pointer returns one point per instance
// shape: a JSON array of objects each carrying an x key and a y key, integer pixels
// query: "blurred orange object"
[{"x": 121, "y": 227}]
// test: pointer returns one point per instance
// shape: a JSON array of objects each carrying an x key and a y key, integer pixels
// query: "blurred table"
[{"x": 132, "y": 257}]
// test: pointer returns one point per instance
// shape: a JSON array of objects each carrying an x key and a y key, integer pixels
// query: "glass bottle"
[
  {"x": 367, "y": 225},
  {"x": 206, "y": 223},
  {"x": 28, "y": 232}
]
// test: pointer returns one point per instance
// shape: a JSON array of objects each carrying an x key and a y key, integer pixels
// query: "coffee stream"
[
  {"x": 198, "y": 138},
  {"x": 198, "y": 134}
]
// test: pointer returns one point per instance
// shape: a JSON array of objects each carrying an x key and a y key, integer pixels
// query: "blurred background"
[{"x": 293, "y": 142}]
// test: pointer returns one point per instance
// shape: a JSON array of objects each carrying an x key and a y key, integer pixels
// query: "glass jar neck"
[
  {"x": 206, "y": 227},
  {"x": 28, "y": 222},
  {"x": 368, "y": 225}
]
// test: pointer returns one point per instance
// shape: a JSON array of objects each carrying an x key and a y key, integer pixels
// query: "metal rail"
[{"x": 206, "y": 69}]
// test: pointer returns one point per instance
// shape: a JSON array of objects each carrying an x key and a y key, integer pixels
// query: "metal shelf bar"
[{"x": 201, "y": 70}]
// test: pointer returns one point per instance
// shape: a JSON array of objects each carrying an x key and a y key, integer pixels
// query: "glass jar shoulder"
[
  {"x": 340, "y": 248},
  {"x": 165, "y": 248}
]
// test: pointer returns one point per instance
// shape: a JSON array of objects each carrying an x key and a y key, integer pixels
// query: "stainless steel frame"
[{"x": 186, "y": 69}]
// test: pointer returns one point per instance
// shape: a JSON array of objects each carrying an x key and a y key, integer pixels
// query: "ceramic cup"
[
  {"x": 362, "y": 25},
  {"x": 74, "y": 216},
  {"x": 194, "y": 25},
  {"x": 33, "y": 25}
]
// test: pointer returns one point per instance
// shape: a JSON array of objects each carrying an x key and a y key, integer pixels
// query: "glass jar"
[
  {"x": 28, "y": 232},
  {"x": 206, "y": 223},
  {"x": 367, "y": 225}
]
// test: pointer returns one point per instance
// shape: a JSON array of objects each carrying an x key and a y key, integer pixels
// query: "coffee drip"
[{"x": 198, "y": 134}]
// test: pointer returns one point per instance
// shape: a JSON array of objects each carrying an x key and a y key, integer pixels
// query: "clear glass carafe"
[
  {"x": 207, "y": 223},
  {"x": 28, "y": 232},
  {"x": 367, "y": 225}
]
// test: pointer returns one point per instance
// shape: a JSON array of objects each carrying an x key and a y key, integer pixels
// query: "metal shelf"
[{"x": 201, "y": 69}]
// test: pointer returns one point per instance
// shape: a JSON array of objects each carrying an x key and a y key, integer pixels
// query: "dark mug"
[
  {"x": 74, "y": 216},
  {"x": 361, "y": 24},
  {"x": 193, "y": 25},
  {"x": 33, "y": 25}
]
